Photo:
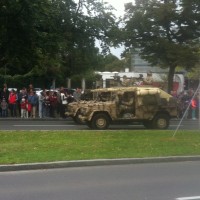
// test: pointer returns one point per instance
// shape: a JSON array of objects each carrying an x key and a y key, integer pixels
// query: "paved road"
[
  {"x": 163, "y": 181},
  {"x": 16, "y": 124}
]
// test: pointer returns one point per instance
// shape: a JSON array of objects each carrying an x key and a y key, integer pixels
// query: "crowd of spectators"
[
  {"x": 26, "y": 103},
  {"x": 188, "y": 104}
]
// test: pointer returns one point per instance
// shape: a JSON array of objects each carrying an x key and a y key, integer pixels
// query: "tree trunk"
[{"x": 171, "y": 78}]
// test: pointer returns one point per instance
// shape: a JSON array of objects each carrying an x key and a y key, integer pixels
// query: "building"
[{"x": 140, "y": 65}]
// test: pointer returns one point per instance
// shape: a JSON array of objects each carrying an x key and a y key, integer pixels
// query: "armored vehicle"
[
  {"x": 73, "y": 108},
  {"x": 149, "y": 105}
]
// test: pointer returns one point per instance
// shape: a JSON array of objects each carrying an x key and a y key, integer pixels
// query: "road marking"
[{"x": 189, "y": 198}]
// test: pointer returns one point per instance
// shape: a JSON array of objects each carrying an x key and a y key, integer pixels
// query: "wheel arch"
[
  {"x": 99, "y": 112},
  {"x": 162, "y": 113}
]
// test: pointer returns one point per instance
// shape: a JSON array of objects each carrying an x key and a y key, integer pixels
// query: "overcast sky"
[{"x": 119, "y": 6}]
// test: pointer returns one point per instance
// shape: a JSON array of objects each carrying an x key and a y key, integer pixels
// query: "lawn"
[{"x": 46, "y": 146}]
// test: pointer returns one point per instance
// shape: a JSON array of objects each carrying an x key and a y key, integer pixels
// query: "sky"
[{"x": 119, "y": 6}]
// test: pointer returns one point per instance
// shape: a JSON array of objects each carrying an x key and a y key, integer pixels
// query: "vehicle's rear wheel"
[
  {"x": 161, "y": 121},
  {"x": 100, "y": 121}
]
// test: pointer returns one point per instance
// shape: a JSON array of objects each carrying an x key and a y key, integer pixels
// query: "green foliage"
[
  {"x": 112, "y": 63},
  {"x": 53, "y": 39},
  {"x": 194, "y": 73},
  {"x": 165, "y": 32}
]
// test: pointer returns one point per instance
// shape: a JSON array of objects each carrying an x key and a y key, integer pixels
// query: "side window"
[
  {"x": 128, "y": 95},
  {"x": 149, "y": 100},
  {"x": 128, "y": 99},
  {"x": 104, "y": 96}
]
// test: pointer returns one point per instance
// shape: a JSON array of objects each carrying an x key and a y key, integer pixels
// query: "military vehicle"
[
  {"x": 73, "y": 108},
  {"x": 89, "y": 96},
  {"x": 149, "y": 105}
]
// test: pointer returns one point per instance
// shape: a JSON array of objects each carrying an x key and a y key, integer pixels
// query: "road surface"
[
  {"x": 16, "y": 124},
  {"x": 163, "y": 181}
]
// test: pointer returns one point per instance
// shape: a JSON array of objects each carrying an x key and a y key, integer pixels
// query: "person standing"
[
  {"x": 47, "y": 105},
  {"x": 41, "y": 104},
  {"x": 126, "y": 81},
  {"x": 33, "y": 100},
  {"x": 4, "y": 108},
  {"x": 22, "y": 94},
  {"x": 5, "y": 93},
  {"x": 77, "y": 94},
  {"x": 63, "y": 99},
  {"x": 149, "y": 79},
  {"x": 23, "y": 105},
  {"x": 194, "y": 107},
  {"x": 12, "y": 103},
  {"x": 30, "y": 88},
  {"x": 53, "y": 103}
]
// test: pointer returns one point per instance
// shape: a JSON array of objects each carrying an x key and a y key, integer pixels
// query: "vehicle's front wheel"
[
  {"x": 77, "y": 120},
  {"x": 161, "y": 121},
  {"x": 100, "y": 121}
]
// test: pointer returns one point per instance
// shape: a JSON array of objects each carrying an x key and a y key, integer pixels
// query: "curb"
[{"x": 98, "y": 162}]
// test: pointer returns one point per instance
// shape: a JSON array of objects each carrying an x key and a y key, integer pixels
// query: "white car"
[{"x": 10, "y": 89}]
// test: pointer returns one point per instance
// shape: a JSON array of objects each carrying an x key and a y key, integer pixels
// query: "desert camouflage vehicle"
[
  {"x": 89, "y": 97},
  {"x": 73, "y": 109},
  {"x": 149, "y": 105}
]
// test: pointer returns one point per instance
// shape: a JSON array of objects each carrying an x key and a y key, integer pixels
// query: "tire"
[
  {"x": 77, "y": 120},
  {"x": 100, "y": 122},
  {"x": 161, "y": 121}
]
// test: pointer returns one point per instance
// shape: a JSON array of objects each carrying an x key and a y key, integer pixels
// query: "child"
[
  {"x": 4, "y": 108},
  {"x": 23, "y": 106}
]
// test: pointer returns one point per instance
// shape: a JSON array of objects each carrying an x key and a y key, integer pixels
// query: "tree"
[
  {"x": 53, "y": 38},
  {"x": 194, "y": 74},
  {"x": 92, "y": 21},
  {"x": 112, "y": 63},
  {"x": 29, "y": 38},
  {"x": 165, "y": 31}
]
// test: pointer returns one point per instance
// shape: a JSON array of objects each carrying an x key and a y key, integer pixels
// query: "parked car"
[{"x": 10, "y": 89}]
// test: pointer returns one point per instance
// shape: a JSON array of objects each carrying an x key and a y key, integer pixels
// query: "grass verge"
[{"x": 46, "y": 146}]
